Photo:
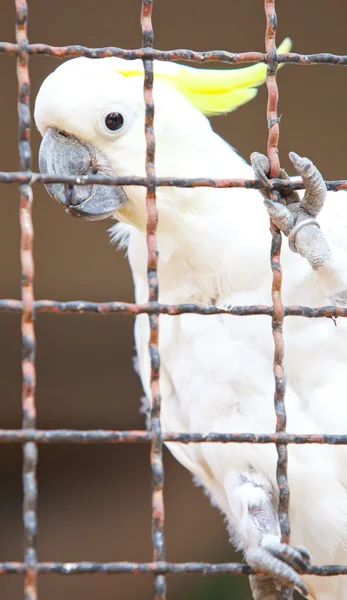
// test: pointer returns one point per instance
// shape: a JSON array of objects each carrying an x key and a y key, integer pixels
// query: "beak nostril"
[{"x": 75, "y": 195}]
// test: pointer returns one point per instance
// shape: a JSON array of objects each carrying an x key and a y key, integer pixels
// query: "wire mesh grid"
[{"x": 29, "y": 436}]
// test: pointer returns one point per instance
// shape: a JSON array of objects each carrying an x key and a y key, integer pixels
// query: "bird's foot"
[
  {"x": 277, "y": 566},
  {"x": 295, "y": 216}
]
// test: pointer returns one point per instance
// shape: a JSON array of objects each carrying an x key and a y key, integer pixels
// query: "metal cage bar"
[
  {"x": 323, "y": 58},
  {"x": 156, "y": 568},
  {"x": 105, "y": 436},
  {"x": 128, "y": 308},
  {"x": 29, "y": 436},
  {"x": 281, "y": 185},
  {"x": 158, "y": 538},
  {"x": 28, "y": 331},
  {"x": 277, "y": 321}
]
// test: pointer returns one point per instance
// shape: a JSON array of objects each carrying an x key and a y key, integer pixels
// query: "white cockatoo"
[{"x": 217, "y": 371}]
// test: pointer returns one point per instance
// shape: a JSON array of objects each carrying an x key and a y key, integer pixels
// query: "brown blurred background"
[{"x": 94, "y": 502}]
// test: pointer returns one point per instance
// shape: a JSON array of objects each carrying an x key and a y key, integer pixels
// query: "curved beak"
[{"x": 64, "y": 155}]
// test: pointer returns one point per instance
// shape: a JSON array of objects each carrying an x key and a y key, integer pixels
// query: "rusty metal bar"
[
  {"x": 281, "y": 185},
  {"x": 156, "y": 568},
  {"x": 129, "y": 309},
  {"x": 183, "y": 54},
  {"x": 278, "y": 316},
  {"x": 103, "y": 436},
  {"x": 150, "y": 308},
  {"x": 28, "y": 332},
  {"x": 158, "y": 539}
]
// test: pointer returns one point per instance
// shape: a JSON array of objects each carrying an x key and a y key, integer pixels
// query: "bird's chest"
[{"x": 215, "y": 372}]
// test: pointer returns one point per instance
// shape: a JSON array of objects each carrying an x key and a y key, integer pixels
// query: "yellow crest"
[{"x": 212, "y": 91}]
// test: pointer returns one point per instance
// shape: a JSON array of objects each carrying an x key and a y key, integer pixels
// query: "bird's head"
[
  {"x": 91, "y": 115},
  {"x": 91, "y": 118}
]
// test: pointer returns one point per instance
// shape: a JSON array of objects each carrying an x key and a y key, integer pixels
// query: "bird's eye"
[{"x": 114, "y": 121}]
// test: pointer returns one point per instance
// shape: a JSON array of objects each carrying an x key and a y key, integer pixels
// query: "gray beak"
[{"x": 63, "y": 155}]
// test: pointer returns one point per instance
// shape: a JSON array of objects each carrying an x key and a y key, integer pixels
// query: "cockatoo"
[{"x": 216, "y": 371}]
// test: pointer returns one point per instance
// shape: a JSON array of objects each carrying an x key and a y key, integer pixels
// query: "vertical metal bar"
[
  {"x": 278, "y": 316},
  {"x": 28, "y": 332},
  {"x": 158, "y": 539}
]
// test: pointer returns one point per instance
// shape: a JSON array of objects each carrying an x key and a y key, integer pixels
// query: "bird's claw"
[
  {"x": 295, "y": 217},
  {"x": 315, "y": 188},
  {"x": 279, "y": 563},
  {"x": 261, "y": 167}
]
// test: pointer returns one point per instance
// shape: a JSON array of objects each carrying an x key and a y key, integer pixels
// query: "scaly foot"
[
  {"x": 296, "y": 217},
  {"x": 279, "y": 565}
]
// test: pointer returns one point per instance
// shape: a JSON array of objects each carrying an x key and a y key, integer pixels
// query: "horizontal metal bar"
[
  {"x": 104, "y": 436},
  {"x": 127, "y": 308},
  {"x": 28, "y": 177},
  {"x": 137, "y": 53},
  {"x": 282, "y": 185},
  {"x": 124, "y": 567},
  {"x": 183, "y": 54}
]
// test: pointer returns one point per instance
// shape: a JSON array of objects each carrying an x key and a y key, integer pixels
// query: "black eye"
[{"x": 114, "y": 121}]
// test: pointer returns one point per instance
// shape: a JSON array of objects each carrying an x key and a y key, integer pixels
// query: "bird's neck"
[
  {"x": 208, "y": 255},
  {"x": 204, "y": 235},
  {"x": 207, "y": 156}
]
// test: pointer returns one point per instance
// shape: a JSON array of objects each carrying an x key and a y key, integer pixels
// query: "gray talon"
[
  {"x": 277, "y": 565},
  {"x": 264, "y": 562},
  {"x": 261, "y": 167},
  {"x": 304, "y": 553},
  {"x": 297, "y": 558},
  {"x": 295, "y": 217},
  {"x": 281, "y": 216},
  {"x": 315, "y": 187}
]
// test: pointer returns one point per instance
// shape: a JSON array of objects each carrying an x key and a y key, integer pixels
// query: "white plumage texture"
[{"x": 216, "y": 371}]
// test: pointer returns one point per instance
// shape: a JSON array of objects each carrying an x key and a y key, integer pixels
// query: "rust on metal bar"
[
  {"x": 278, "y": 316},
  {"x": 28, "y": 332},
  {"x": 145, "y": 53},
  {"x": 323, "y": 58},
  {"x": 182, "y": 54},
  {"x": 103, "y": 436},
  {"x": 282, "y": 185},
  {"x": 158, "y": 539},
  {"x": 130, "y": 309},
  {"x": 157, "y": 568},
  {"x": 150, "y": 308}
]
